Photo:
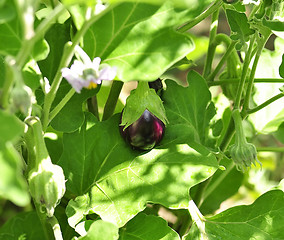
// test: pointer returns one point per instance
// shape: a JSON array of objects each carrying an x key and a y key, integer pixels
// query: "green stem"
[
  {"x": 47, "y": 229},
  {"x": 270, "y": 149},
  {"x": 112, "y": 99},
  {"x": 93, "y": 106},
  {"x": 236, "y": 80},
  {"x": 61, "y": 104},
  {"x": 222, "y": 61},
  {"x": 240, "y": 135},
  {"x": 8, "y": 83},
  {"x": 201, "y": 17},
  {"x": 218, "y": 181},
  {"x": 253, "y": 70},
  {"x": 65, "y": 60},
  {"x": 266, "y": 103},
  {"x": 198, "y": 218},
  {"x": 55, "y": 227},
  {"x": 211, "y": 50},
  {"x": 28, "y": 44},
  {"x": 244, "y": 74}
]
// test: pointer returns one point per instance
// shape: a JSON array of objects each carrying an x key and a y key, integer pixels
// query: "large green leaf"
[
  {"x": 111, "y": 29},
  {"x": 56, "y": 37},
  {"x": 151, "y": 47},
  {"x": 139, "y": 38},
  {"x": 263, "y": 219},
  {"x": 101, "y": 230},
  {"x": 120, "y": 181},
  {"x": 189, "y": 110},
  {"x": 147, "y": 228},
  {"x": 25, "y": 225}
]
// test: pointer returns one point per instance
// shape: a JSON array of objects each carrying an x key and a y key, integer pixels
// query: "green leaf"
[
  {"x": 118, "y": 181},
  {"x": 71, "y": 116},
  {"x": 7, "y": 12},
  {"x": 56, "y": 38},
  {"x": 25, "y": 225},
  {"x": 281, "y": 67},
  {"x": 279, "y": 134},
  {"x": 138, "y": 101},
  {"x": 32, "y": 75},
  {"x": 10, "y": 127},
  {"x": 111, "y": 29},
  {"x": 13, "y": 185},
  {"x": 229, "y": 182},
  {"x": 146, "y": 55},
  {"x": 239, "y": 26},
  {"x": 10, "y": 37},
  {"x": 189, "y": 109},
  {"x": 261, "y": 220},
  {"x": 177, "y": 3},
  {"x": 147, "y": 228},
  {"x": 101, "y": 230}
]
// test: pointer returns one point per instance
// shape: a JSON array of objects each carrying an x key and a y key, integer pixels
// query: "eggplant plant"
[{"x": 137, "y": 119}]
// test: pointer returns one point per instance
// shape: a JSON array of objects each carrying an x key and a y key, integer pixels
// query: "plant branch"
[
  {"x": 112, "y": 99},
  {"x": 270, "y": 149},
  {"x": 266, "y": 103},
  {"x": 230, "y": 49},
  {"x": 236, "y": 80},
  {"x": 201, "y": 17},
  {"x": 244, "y": 74},
  {"x": 211, "y": 48},
  {"x": 65, "y": 61},
  {"x": 253, "y": 70},
  {"x": 61, "y": 104}
]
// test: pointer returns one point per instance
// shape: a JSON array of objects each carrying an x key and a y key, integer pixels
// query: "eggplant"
[{"x": 144, "y": 133}]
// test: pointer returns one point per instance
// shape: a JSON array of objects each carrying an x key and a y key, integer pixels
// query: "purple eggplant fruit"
[{"x": 144, "y": 133}]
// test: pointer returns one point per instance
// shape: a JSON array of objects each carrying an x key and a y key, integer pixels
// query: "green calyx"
[
  {"x": 243, "y": 153},
  {"x": 139, "y": 100}
]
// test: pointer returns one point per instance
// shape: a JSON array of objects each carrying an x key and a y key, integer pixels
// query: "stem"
[
  {"x": 40, "y": 31},
  {"x": 244, "y": 74},
  {"x": 222, "y": 61},
  {"x": 236, "y": 80},
  {"x": 201, "y": 17},
  {"x": 198, "y": 218},
  {"x": 65, "y": 60},
  {"x": 266, "y": 103},
  {"x": 55, "y": 227},
  {"x": 253, "y": 70},
  {"x": 211, "y": 51},
  {"x": 240, "y": 135},
  {"x": 61, "y": 104},
  {"x": 48, "y": 232},
  {"x": 8, "y": 84},
  {"x": 217, "y": 182},
  {"x": 270, "y": 149},
  {"x": 93, "y": 106},
  {"x": 112, "y": 99}
]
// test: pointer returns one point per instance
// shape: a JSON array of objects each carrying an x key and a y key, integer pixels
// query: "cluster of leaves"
[{"x": 112, "y": 190}]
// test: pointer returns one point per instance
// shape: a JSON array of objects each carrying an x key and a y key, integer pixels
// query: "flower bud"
[
  {"x": 243, "y": 153},
  {"x": 47, "y": 185},
  {"x": 22, "y": 98}
]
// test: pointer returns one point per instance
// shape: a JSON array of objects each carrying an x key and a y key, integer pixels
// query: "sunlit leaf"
[{"x": 261, "y": 220}]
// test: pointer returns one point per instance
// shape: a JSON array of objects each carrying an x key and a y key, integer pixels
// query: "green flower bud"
[
  {"x": 47, "y": 185},
  {"x": 21, "y": 97},
  {"x": 243, "y": 153}
]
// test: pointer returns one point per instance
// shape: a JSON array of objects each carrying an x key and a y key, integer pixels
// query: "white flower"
[{"x": 87, "y": 73}]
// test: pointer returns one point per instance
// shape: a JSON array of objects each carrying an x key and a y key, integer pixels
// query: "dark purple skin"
[{"x": 144, "y": 133}]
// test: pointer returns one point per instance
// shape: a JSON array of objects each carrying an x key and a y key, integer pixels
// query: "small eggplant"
[{"x": 144, "y": 133}]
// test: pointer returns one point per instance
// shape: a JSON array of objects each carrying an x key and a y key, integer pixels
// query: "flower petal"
[
  {"x": 96, "y": 63},
  {"x": 75, "y": 81},
  {"x": 107, "y": 73}
]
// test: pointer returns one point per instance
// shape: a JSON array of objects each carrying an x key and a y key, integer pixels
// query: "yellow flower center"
[{"x": 92, "y": 85}]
